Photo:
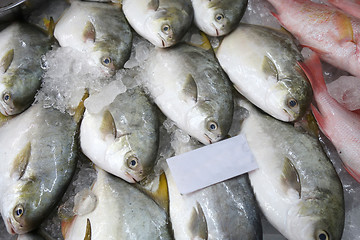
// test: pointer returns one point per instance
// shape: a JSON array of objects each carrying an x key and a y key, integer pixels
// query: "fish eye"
[
  {"x": 292, "y": 103},
  {"x": 212, "y": 126},
  {"x": 165, "y": 28},
  {"x": 6, "y": 97},
  {"x": 106, "y": 61},
  {"x": 18, "y": 211},
  {"x": 219, "y": 17},
  {"x": 132, "y": 162},
  {"x": 322, "y": 235}
]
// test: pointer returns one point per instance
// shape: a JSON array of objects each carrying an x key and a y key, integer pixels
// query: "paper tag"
[{"x": 211, "y": 164}]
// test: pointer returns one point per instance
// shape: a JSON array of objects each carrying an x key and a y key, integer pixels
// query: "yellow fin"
[
  {"x": 79, "y": 111},
  {"x": 108, "y": 124},
  {"x": 205, "y": 43},
  {"x": 6, "y": 60},
  {"x": 344, "y": 27},
  {"x": 21, "y": 161},
  {"x": 50, "y": 26},
  {"x": 88, "y": 230}
]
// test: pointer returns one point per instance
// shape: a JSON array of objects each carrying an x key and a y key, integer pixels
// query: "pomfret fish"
[
  {"x": 191, "y": 89},
  {"x": 21, "y": 49},
  {"x": 37, "y": 162},
  {"x": 123, "y": 138},
  {"x": 264, "y": 68},
  {"x": 117, "y": 210},
  {"x": 226, "y": 210},
  {"x": 340, "y": 125},
  {"x": 218, "y": 17},
  {"x": 99, "y": 29},
  {"x": 296, "y": 186},
  {"x": 161, "y": 22},
  {"x": 330, "y": 32}
]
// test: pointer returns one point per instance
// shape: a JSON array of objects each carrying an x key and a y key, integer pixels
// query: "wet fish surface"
[
  {"x": 38, "y": 159},
  {"x": 123, "y": 138},
  {"x": 296, "y": 186},
  {"x": 21, "y": 49},
  {"x": 218, "y": 17},
  {"x": 161, "y": 22},
  {"x": 99, "y": 29},
  {"x": 118, "y": 211},
  {"x": 264, "y": 68},
  {"x": 190, "y": 88}
]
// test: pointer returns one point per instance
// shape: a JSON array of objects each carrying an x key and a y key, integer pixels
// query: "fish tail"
[
  {"x": 313, "y": 70},
  {"x": 320, "y": 119}
]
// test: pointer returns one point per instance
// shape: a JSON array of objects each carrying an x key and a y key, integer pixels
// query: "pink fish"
[
  {"x": 330, "y": 32},
  {"x": 340, "y": 125},
  {"x": 352, "y": 7}
]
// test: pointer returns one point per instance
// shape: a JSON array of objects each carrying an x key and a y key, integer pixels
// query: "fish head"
[
  {"x": 23, "y": 209},
  {"x": 298, "y": 98},
  {"x": 168, "y": 26},
  {"x": 215, "y": 20},
  {"x": 207, "y": 122},
  {"x": 17, "y": 95},
  {"x": 320, "y": 216},
  {"x": 134, "y": 158}
]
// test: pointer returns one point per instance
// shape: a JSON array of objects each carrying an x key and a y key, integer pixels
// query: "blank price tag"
[{"x": 211, "y": 164}]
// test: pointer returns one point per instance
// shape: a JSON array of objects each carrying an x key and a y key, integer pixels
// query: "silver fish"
[
  {"x": 121, "y": 212},
  {"x": 190, "y": 88},
  {"x": 264, "y": 68},
  {"x": 226, "y": 210},
  {"x": 21, "y": 49},
  {"x": 161, "y": 22},
  {"x": 123, "y": 138},
  {"x": 37, "y": 161},
  {"x": 218, "y": 17},
  {"x": 296, "y": 186},
  {"x": 99, "y": 29}
]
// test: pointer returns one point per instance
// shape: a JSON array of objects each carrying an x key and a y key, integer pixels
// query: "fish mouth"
[
  {"x": 290, "y": 117},
  {"x": 10, "y": 227},
  {"x": 208, "y": 138},
  {"x": 162, "y": 41},
  {"x": 216, "y": 30},
  {"x": 131, "y": 178}
]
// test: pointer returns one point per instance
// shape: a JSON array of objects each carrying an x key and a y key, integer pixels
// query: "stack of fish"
[{"x": 195, "y": 84}]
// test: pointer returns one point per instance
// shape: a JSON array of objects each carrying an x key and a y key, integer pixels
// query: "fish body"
[
  {"x": 123, "y": 138},
  {"x": 218, "y": 17},
  {"x": 99, "y": 29},
  {"x": 191, "y": 89},
  {"x": 264, "y": 68},
  {"x": 21, "y": 49},
  {"x": 38, "y": 159},
  {"x": 225, "y": 210},
  {"x": 340, "y": 125},
  {"x": 161, "y": 22},
  {"x": 333, "y": 34},
  {"x": 351, "y": 7},
  {"x": 121, "y": 212},
  {"x": 296, "y": 186}
]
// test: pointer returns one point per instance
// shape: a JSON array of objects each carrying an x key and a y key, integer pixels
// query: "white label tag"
[{"x": 211, "y": 164}]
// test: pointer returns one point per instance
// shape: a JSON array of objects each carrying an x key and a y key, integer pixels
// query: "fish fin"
[
  {"x": 344, "y": 27},
  {"x": 89, "y": 32},
  {"x": 6, "y": 60},
  {"x": 269, "y": 68},
  {"x": 198, "y": 225},
  {"x": 50, "y": 26},
  {"x": 190, "y": 88},
  {"x": 290, "y": 177},
  {"x": 88, "y": 230},
  {"x": 153, "y": 5},
  {"x": 21, "y": 161},
  {"x": 65, "y": 226},
  {"x": 108, "y": 124},
  {"x": 313, "y": 70},
  {"x": 80, "y": 109},
  {"x": 205, "y": 41},
  {"x": 276, "y": 16},
  {"x": 320, "y": 119}
]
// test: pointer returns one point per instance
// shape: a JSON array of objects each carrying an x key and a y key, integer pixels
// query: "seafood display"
[{"x": 97, "y": 95}]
